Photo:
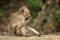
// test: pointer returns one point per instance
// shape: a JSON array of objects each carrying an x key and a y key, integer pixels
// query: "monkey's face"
[{"x": 25, "y": 12}]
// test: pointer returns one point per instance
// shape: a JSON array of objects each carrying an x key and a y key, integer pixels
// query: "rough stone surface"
[{"x": 43, "y": 37}]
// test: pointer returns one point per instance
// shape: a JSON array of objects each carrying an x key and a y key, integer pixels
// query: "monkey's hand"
[{"x": 26, "y": 22}]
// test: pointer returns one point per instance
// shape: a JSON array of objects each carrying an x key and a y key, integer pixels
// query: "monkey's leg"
[{"x": 28, "y": 31}]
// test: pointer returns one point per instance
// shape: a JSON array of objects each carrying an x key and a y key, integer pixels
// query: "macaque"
[
  {"x": 19, "y": 17},
  {"x": 18, "y": 22}
]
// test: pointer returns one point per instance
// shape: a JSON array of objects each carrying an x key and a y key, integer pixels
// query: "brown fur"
[{"x": 18, "y": 18}]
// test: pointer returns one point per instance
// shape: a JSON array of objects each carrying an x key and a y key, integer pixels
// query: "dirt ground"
[{"x": 43, "y": 37}]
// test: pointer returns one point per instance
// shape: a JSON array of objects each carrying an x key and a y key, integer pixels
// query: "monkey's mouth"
[{"x": 28, "y": 18}]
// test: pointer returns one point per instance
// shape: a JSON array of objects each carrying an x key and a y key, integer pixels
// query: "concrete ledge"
[{"x": 43, "y": 37}]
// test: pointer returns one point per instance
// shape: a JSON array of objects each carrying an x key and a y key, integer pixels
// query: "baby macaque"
[
  {"x": 18, "y": 22},
  {"x": 19, "y": 17}
]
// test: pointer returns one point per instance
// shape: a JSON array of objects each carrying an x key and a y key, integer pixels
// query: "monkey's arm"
[{"x": 26, "y": 22}]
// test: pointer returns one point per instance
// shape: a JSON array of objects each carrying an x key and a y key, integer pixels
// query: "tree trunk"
[{"x": 47, "y": 9}]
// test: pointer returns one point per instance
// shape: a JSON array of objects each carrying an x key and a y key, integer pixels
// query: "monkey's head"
[{"x": 25, "y": 12}]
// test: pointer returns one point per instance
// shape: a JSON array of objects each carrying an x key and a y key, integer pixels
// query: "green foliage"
[
  {"x": 34, "y": 22},
  {"x": 34, "y": 3},
  {"x": 34, "y": 15},
  {"x": 1, "y": 13},
  {"x": 57, "y": 12},
  {"x": 58, "y": 20}
]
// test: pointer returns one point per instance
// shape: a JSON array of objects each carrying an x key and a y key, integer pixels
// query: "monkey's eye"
[{"x": 22, "y": 10}]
